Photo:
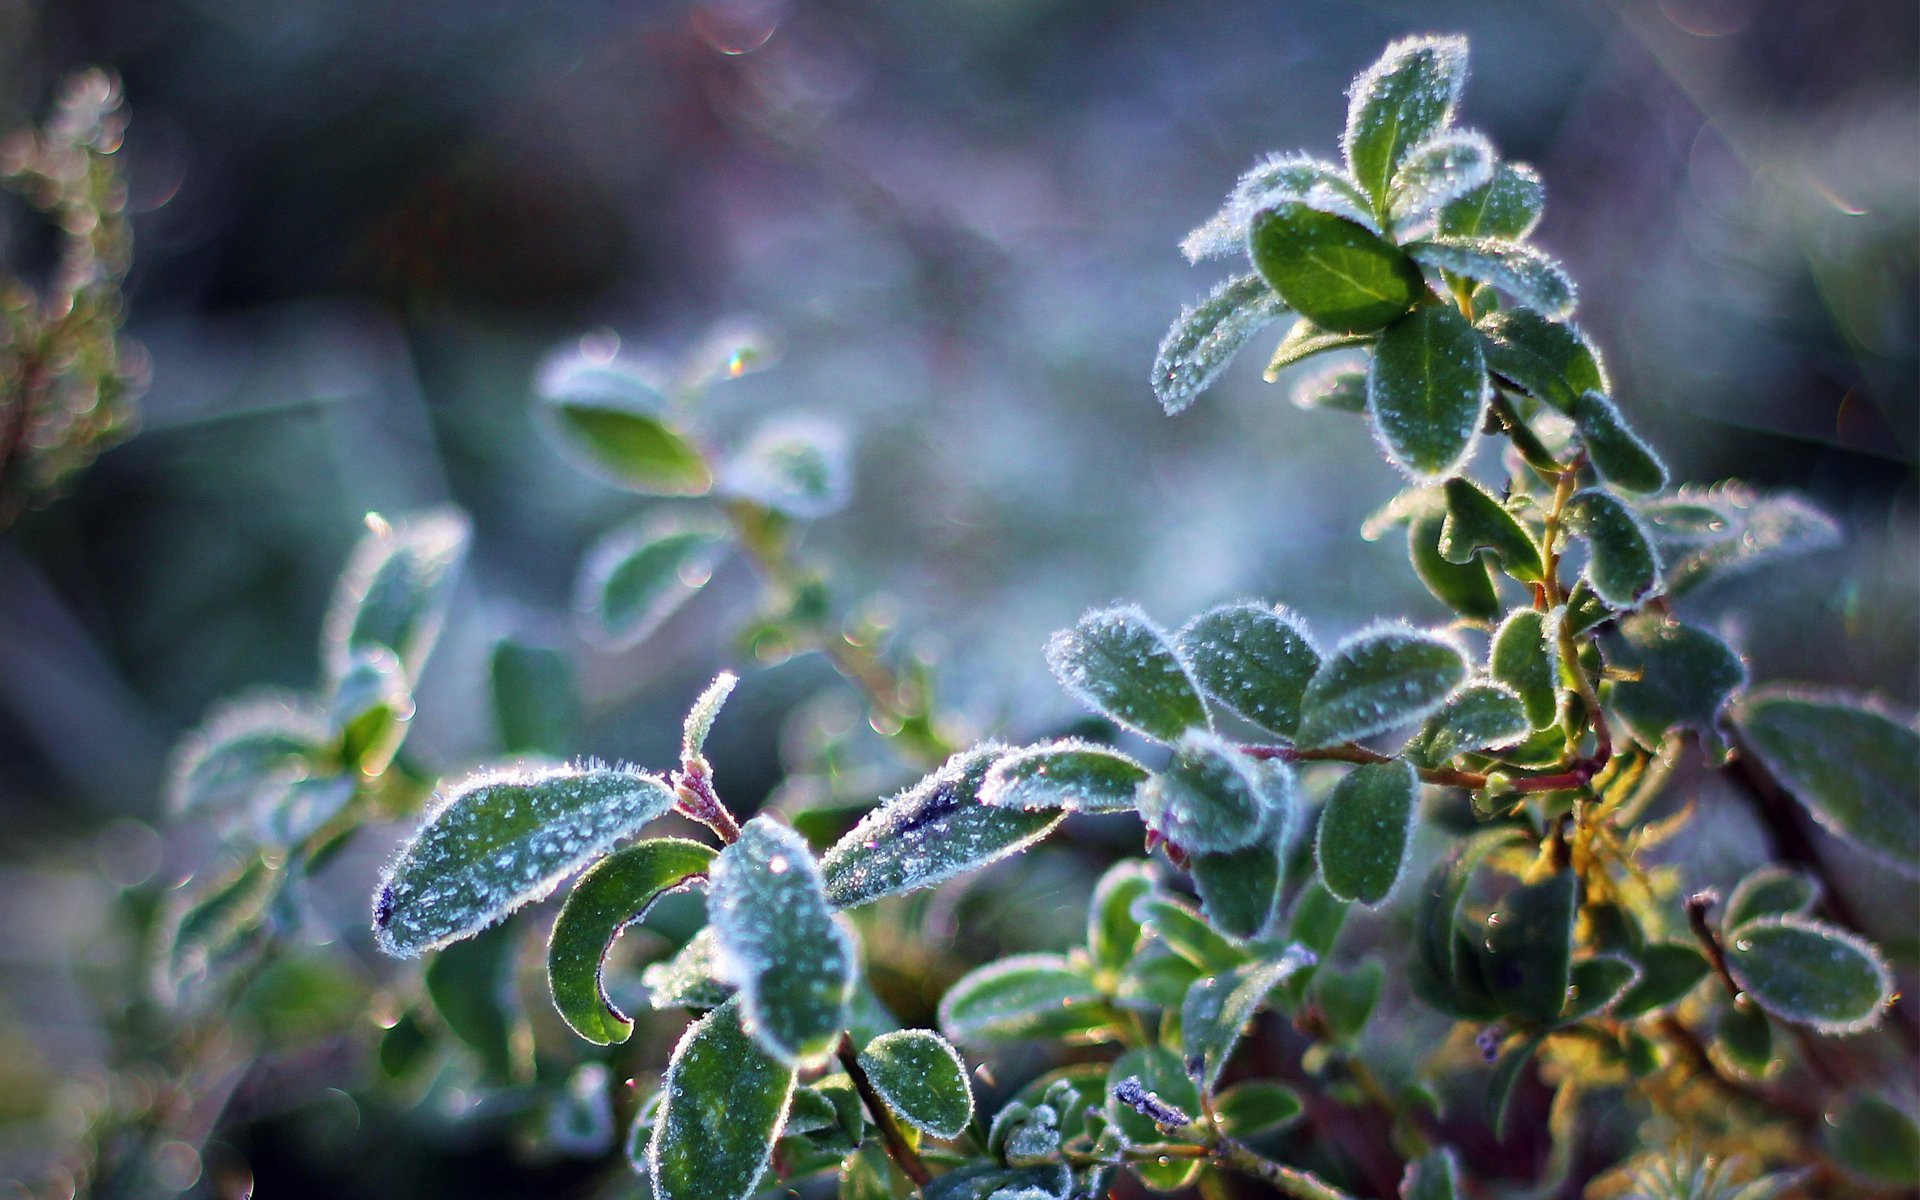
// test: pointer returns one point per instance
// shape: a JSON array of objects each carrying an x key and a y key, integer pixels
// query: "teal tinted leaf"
[
  {"x": 700, "y": 718},
  {"x": 1346, "y": 999},
  {"x": 1305, "y": 340},
  {"x": 306, "y": 807},
  {"x": 1506, "y": 1077},
  {"x": 395, "y": 588},
  {"x": 1507, "y": 206},
  {"x": 921, "y": 1076},
  {"x": 1377, "y": 679},
  {"x": 984, "y": 1180},
  {"x": 798, "y": 466},
  {"x": 687, "y": 979},
  {"x": 580, "y": 1117},
  {"x": 638, "y": 575},
  {"x": 1364, "y": 830},
  {"x": 535, "y": 703},
  {"x": 1440, "y": 169},
  {"x": 1596, "y": 985},
  {"x": 246, "y": 749},
  {"x": 1810, "y": 973},
  {"x": 1398, "y": 102},
  {"x": 1686, "y": 675},
  {"x": 1253, "y": 659},
  {"x": 1466, "y": 588},
  {"x": 1119, "y": 663},
  {"x": 1436, "y": 1176},
  {"x": 1427, "y": 390},
  {"x": 1218, "y": 1007},
  {"x": 1338, "y": 274},
  {"x": 1341, "y": 388},
  {"x": 776, "y": 940},
  {"x": 616, "y": 893},
  {"x": 1112, "y": 930},
  {"x": 1712, "y": 534},
  {"x": 370, "y": 708},
  {"x": 1668, "y": 971},
  {"x": 1187, "y": 933},
  {"x": 471, "y": 986},
  {"x": 502, "y": 840},
  {"x": 1770, "y": 892},
  {"x": 929, "y": 833},
  {"x": 1745, "y": 1037},
  {"x": 1277, "y": 177},
  {"x": 1875, "y": 1141},
  {"x": 1615, "y": 450},
  {"x": 1240, "y": 889},
  {"x": 1551, "y": 361},
  {"x": 1025, "y": 1135},
  {"x": 1208, "y": 798},
  {"x": 611, "y": 421},
  {"x": 724, "y": 1102},
  {"x": 1857, "y": 770},
  {"x": 1155, "y": 978},
  {"x": 1025, "y": 996},
  {"x": 1257, "y": 1106},
  {"x": 1479, "y": 716},
  {"x": 1070, "y": 775},
  {"x": 208, "y": 924},
  {"x": 1584, "y": 610},
  {"x": 1477, "y": 522},
  {"x": 1530, "y": 947},
  {"x": 1206, "y": 336},
  {"x": 1622, "y": 564},
  {"x": 1523, "y": 658},
  {"x": 1528, "y": 277}
]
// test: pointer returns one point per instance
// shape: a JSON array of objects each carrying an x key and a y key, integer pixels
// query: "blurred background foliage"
[{"x": 360, "y": 226}]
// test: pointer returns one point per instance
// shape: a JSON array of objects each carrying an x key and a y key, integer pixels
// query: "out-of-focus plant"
[
  {"x": 68, "y": 378},
  {"x": 1558, "y": 969}
]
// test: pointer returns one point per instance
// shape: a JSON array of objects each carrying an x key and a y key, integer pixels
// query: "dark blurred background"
[{"x": 362, "y": 224}]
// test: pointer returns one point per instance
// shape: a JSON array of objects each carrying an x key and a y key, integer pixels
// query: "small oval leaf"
[
  {"x": 1119, "y": 663},
  {"x": 1614, "y": 449},
  {"x": 1025, "y": 996},
  {"x": 1507, "y": 206},
  {"x": 1685, "y": 677},
  {"x": 1522, "y": 657},
  {"x": 797, "y": 466},
  {"x": 1427, "y": 391},
  {"x": 1336, "y": 273},
  {"x": 612, "y": 423},
  {"x": 1253, "y": 659},
  {"x": 1377, "y": 679},
  {"x": 1206, "y": 336},
  {"x": 1549, "y": 360},
  {"x": 724, "y": 1101},
  {"x": 1070, "y": 775},
  {"x": 921, "y": 1076},
  {"x": 1480, "y": 716},
  {"x": 1217, "y": 1008},
  {"x": 1398, "y": 102},
  {"x": 395, "y": 588},
  {"x": 638, "y": 575},
  {"x": 1623, "y": 566},
  {"x": 1529, "y": 277},
  {"x": 1305, "y": 340},
  {"x": 1466, "y": 588},
  {"x": 1770, "y": 892},
  {"x": 1477, "y": 522},
  {"x": 1364, "y": 831},
  {"x": 1208, "y": 798},
  {"x": 1810, "y": 973},
  {"x": 1440, "y": 169}
]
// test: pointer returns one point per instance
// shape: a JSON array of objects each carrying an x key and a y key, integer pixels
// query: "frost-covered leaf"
[
  {"x": 1254, "y": 659},
  {"x": 1810, "y": 973},
  {"x": 636, "y": 576},
  {"x": 1277, "y": 177},
  {"x": 1623, "y": 566},
  {"x": 1522, "y": 657},
  {"x": 1218, "y": 1007},
  {"x": 1379, "y": 678},
  {"x": 794, "y": 465},
  {"x": 724, "y": 1102},
  {"x": 1338, "y": 274},
  {"x": 1183, "y": 930},
  {"x": 206, "y": 924},
  {"x": 1119, "y": 663},
  {"x": 307, "y": 805},
  {"x": 1710, "y": 534},
  {"x": 1206, "y": 336},
  {"x": 1113, "y": 931},
  {"x": 1596, "y": 985},
  {"x": 1341, "y": 388},
  {"x": 1398, "y": 102},
  {"x": 1257, "y": 1106},
  {"x": 990, "y": 1181},
  {"x": 929, "y": 833},
  {"x": 1668, "y": 971},
  {"x": 395, "y": 588},
  {"x": 687, "y": 980},
  {"x": 1304, "y": 340},
  {"x": 501, "y": 840},
  {"x": 1025, "y": 996},
  {"x": 1155, "y": 979},
  {"x": 921, "y": 1076},
  {"x": 776, "y": 939},
  {"x": 1466, "y": 588},
  {"x": 1426, "y": 391},
  {"x": 1685, "y": 677},
  {"x": 700, "y": 718},
  {"x": 1771, "y": 891},
  {"x": 535, "y": 703},
  {"x": 1476, "y": 522},
  {"x": 1529, "y": 940},
  {"x": 1441, "y": 169},
  {"x": 1874, "y": 1140},
  {"x": 1479, "y": 716},
  {"x": 1529, "y": 277},
  {"x": 1507, "y": 206},
  {"x": 369, "y": 709},
  {"x": 608, "y": 416},
  {"x": 1207, "y": 799},
  {"x": 616, "y": 893},
  {"x": 1364, "y": 830},
  {"x": 471, "y": 987},
  {"x": 1549, "y": 360},
  {"x": 1070, "y": 774},
  {"x": 1856, "y": 769},
  {"x": 244, "y": 749},
  {"x": 1240, "y": 889},
  {"x": 1615, "y": 450}
]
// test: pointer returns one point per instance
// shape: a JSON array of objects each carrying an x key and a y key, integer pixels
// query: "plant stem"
[
  {"x": 903, "y": 1154},
  {"x": 1291, "y": 1181},
  {"x": 693, "y": 785},
  {"x": 1444, "y": 776},
  {"x": 1697, "y": 906}
]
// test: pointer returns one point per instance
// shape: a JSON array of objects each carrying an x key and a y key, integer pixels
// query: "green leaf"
[
  {"x": 1025, "y": 996},
  {"x": 1439, "y": 170},
  {"x": 1685, "y": 677},
  {"x": 1614, "y": 449},
  {"x": 778, "y": 942},
  {"x": 1436, "y": 1176},
  {"x": 471, "y": 986},
  {"x": 1118, "y": 662},
  {"x": 1427, "y": 391},
  {"x": 1160, "y": 1073},
  {"x": 725, "y": 1100},
  {"x": 1523, "y": 658},
  {"x": 1379, "y": 678},
  {"x": 1334, "y": 272},
  {"x": 502, "y": 840},
  {"x": 1466, "y": 588},
  {"x": 921, "y": 1076},
  {"x": 929, "y": 833},
  {"x": 796, "y": 466},
  {"x": 1477, "y": 522},
  {"x": 370, "y": 708},
  {"x": 534, "y": 700},
  {"x": 1709, "y": 535},
  {"x": 1218, "y": 1007},
  {"x": 612, "y": 423},
  {"x": 1551, "y": 361},
  {"x": 1857, "y": 770},
  {"x": 687, "y": 979},
  {"x": 1364, "y": 830},
  {"x": 1668, "y": 971},
  {"x": 1346, "y": 999},
  {"x": 1257, "y": 1106},
  {"x": 1810, "y": 973},
  {"x": 1113, "y": 931},
  {"x": 1188, "y": 934},
  {"x": 1530, "y": 947},
  {"x": 1507, "y": 206},
  {"x": 1155, "y": 978},
  {"x": 1622, "y": 564},
  {"x": 246, "y": 751},
  {"x": 1277, "y": 177},
  {"x": 1253, "y": 659},
  {"x": 1206, "y": 336},
  {"x": 614, "y": 894},
  {"x": 1875, "y": 1141},
  {"x": 1208, "y": 798},
  {"x": 1070, "y": 775},
  {"x": 206, "y": 925},
  {"x": 1597, "y": 985},
  {"x": 1240, "y": 889},
  {"x": 1341, "y": 388},
  {"x": 1398, "y": 102},
  {"x": 1770, "y": 892},
  {"x": 395, "y": 589},
  {"x": 700, "y": 718},
  {"x": 1745, "y": 1037},
  {"x": 1529, "y": 277},
  {"x": 1447, "y": 970},
  {"x": 1305, "y": 340},
  {"x": 638, "y": 575},
  {"x": 1479, "y": 716},
  {"x": 1584, "y": 610},
  {"x": 1505, "y": 1079}
]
